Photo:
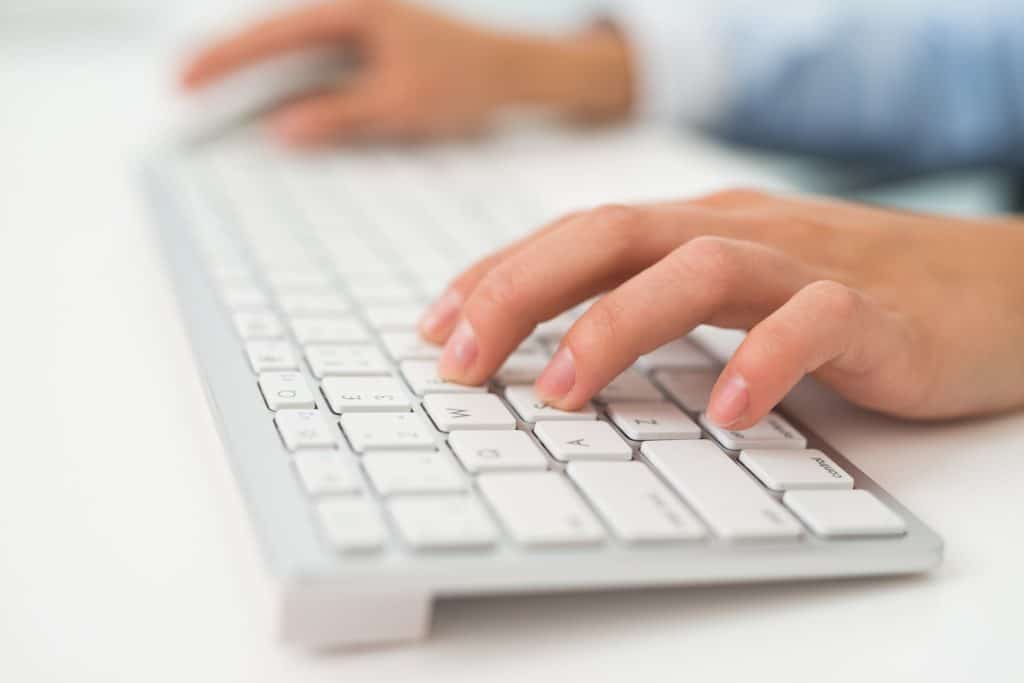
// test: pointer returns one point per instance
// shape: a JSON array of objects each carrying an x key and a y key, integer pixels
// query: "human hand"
[
  {"x": 913, "y": 315},
  {"x": 424, "y": 74}
]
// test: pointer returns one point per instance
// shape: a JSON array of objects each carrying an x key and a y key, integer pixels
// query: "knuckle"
[
  {"x": 710, "y": 259},
  {"x": 498, "y": 293},
  {"x": 615, "y": 226},
  {"x": 835, "y": 299},
  {"x": 599, "y": 330}
]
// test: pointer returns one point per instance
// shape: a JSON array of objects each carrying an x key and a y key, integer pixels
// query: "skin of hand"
[
  {"x": 912, "y": 315},
  {"x": 423, "y": 74}
]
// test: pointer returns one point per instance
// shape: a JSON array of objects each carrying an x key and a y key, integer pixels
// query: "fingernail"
[
  {"x": 558, "y": 377},
  {"x": 459, "y": 353},
  {"x": 730, "y": 402},
  {"x": 441, "y": 313}
]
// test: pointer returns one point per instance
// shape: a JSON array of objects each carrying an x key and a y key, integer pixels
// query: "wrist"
[{"x": 585, "y": 76}]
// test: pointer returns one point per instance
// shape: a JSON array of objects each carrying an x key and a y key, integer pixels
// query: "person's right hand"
[{"x": 421, "y": 73}]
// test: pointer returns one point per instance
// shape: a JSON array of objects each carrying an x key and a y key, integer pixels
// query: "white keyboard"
[{"x": 376, "y": 486}]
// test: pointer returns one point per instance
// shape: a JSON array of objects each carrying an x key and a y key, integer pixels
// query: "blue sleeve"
[{"x": 939, "y": 85}]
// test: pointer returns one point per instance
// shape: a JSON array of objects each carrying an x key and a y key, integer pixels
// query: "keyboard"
[{"x": 376, "y": 487}]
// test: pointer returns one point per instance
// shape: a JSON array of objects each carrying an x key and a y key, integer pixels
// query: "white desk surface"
[{"x": 124, "y": 554}]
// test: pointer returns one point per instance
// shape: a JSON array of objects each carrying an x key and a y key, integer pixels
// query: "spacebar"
[{"x": 733, "y": 504}]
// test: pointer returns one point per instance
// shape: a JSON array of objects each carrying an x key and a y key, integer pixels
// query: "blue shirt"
[{"x": 918, "y": 85}]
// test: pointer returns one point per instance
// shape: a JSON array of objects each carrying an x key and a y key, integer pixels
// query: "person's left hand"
[{"x": 913, "y": 315}]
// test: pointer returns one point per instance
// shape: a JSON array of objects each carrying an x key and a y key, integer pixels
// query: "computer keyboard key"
[
  {"x": 403, "y": 472},
  {"x": 382, "y": 293},
  {"x": 720, "y": 491},
  {"x": 646, "y": 420},
  {"x": 772, "y": 431},
  {"x": 540, "y": 508},
  {"x": 285, "y": 390},
  {"x": 258, "y": 325},
  {"x": 386, "y": 431},
  {"x": 484, "y": 451},
  {"x": 351, "y": 524},
  {"x": 304, "y": 428},
  {"x": 409, "y": 346},
  {"x": 844, "y": 513},
  {"x": 689, "y": 388},
  {"x": 326, "y": 472},
  {"x": 268, "y": 354},
  {"x": 634, "y": 502},
  {"x": 532, "y": 409},
  {"x": 582, "y": 441},
  {"x": 522, "y": 367},
  {"x": 681, "y": 353},
  {"x": 629, "y": 386},
  {"x": 468, "y": 411},
  {"x": 785, "y": 470},
  {"x": 243, "y": 297},
  {"x": 352, "y": 360},
  {"x": 394, "y": 317},
  {"x": 442, "y": 522},
  {"x": 341, "y": 330},
  {"x": 365, "y": 394},
  {"x": 298, "y": 281},
  {"x": 422, "y": 377},
  {"x": 313, "y": 304}
]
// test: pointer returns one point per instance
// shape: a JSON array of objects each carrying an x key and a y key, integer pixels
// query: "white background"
[{"x": 124, "y": 555}]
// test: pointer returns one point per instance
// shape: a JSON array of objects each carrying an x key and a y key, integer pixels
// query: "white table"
[{"x": 124, "y": 553}]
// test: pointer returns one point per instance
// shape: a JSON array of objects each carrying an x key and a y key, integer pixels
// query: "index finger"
[{"x": 301, "y": 28}]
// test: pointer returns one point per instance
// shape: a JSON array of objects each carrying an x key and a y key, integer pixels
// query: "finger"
[
  {"x": 584, "y": 257},
  {"x": 439, "y": 319},
  {"x": 826, "y": 327},
  {"x": 332, "y": 116},
  {"x": 714, "y": 280},
  {"x": 299, "y": 29}
]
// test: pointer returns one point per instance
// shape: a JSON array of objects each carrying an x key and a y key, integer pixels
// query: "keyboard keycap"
[
  {"x": 413, "y": 472},
  {"x": 634, "y": 502},
  {"x": 844, "y": 513},
  {"x": 532, "y": 409},
  {"x": 244, "y": 297},
  {"x": 771, "y": 432},
  {"x": 522, "y": 367},
  {"x": 313, "y": 304},
  {"x": 365, "y": 394},
  {"x": 268, "y": 355},
  {"x": 409, "y": 346},
  {"x": 689, "y": 388},
  {"x": 468, "y": 411},
  {"x": 540, "y": 508},
  {"x": 784, "y": 470},
  {"x": 681, "y": 353},
  {"x": 422, "y": 377},
  {"x": 351, "y": 524},
  {"x": 326, "y": 473},
  {"x": 298, "y": 281},
  {"x": 629, "y": 386},
  {"x": 582, "y": 441},
  {"x": 496, "y": 450},
  {"x": 440, "y": 522},
  {"x": 732, "y": 503},
  {"x": 285, "y": 390},
  {"x": 386, "y": 431},
  {"x": 340, "y": 330},
  {"x": 382, "y": 293},
  {"x": 353, "y": 360},
  {"x": 394, "y": 317},
  {"x": 645, "y": 420},
  {"x": 258, "y": 325},
  {"x": 304, "y": 429}
]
